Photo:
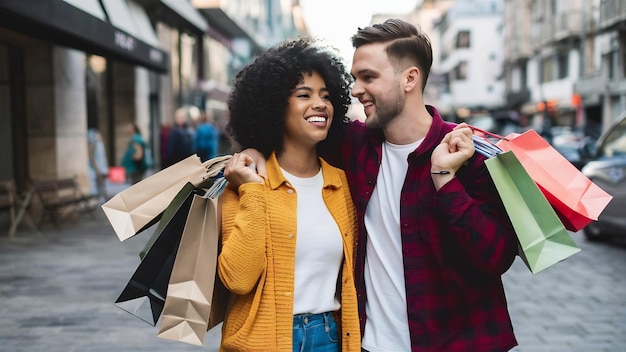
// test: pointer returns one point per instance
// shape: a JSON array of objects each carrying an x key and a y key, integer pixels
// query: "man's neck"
[{"x": 409, "y": 127}]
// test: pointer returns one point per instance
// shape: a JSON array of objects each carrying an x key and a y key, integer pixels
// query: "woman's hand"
[{"x": 241, "y": 169}]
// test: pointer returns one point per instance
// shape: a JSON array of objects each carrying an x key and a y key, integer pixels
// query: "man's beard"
[{"x": 385, "y": 111}]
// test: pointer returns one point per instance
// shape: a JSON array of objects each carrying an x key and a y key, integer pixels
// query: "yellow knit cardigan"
[{"x": 258, "y": 258}]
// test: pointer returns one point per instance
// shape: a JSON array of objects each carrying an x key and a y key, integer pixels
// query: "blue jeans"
[{"x": 315, "y": 333}]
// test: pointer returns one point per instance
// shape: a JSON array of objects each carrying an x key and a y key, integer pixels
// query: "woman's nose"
[{"x": 319, "y": 104}]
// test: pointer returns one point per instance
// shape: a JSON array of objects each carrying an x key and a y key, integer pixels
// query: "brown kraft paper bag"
[
  {"x": 140, "y": 206},
  {"x": 196, "y": 299}
]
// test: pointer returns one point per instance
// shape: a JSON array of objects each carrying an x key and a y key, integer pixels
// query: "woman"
[
  {"x": 288, "y": 240},
  {"x": 133, "y": 159}
]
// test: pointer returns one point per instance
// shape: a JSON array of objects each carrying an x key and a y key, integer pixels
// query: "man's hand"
[
  {"x": 455, "y": 148},
  {"x": 241, "y": 169}
]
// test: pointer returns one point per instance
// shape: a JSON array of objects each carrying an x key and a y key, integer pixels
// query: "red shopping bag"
[{"x": 574, "y": 197}]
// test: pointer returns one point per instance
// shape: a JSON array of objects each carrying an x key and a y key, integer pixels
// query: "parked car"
[
  {"x": 606, "y": 167},
  {"x": 569, "y": 142}
]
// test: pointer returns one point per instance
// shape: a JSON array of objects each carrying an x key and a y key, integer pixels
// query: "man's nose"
[{"x": 356, "y": 90}]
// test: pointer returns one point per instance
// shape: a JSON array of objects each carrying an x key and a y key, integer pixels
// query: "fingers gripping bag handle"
[{"x": 483, "y": 145}]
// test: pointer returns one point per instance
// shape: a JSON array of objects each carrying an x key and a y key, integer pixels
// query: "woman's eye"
[{"x": 327, "y": 97}]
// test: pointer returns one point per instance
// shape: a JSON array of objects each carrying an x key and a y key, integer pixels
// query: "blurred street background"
[{"x": 80, "y": 79}]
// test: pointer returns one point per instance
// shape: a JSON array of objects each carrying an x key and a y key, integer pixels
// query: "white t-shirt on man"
[{"x": 387, "y": 326}]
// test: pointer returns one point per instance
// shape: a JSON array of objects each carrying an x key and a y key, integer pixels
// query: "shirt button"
[
  {"x": 367, "y": 193},
  {"x": 290, "y": 236},
  {"x": 290, "y": 191}
]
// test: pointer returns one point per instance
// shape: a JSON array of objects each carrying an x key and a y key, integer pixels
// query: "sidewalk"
[{"x": 57, "y": 291}]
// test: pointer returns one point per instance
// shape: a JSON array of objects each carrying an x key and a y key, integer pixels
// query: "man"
[
  {"x": 206, "y": 137},
  {"x": 434, "y": 238},
  {"x": 180, "y": 140}
]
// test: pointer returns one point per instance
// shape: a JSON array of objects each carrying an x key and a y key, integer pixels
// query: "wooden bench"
[
  {"x": 62, "y": 195},
  {"x": 16, "y": 205}
]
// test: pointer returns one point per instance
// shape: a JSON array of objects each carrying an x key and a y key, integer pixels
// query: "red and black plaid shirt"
[{"x": 456, "y": 244}]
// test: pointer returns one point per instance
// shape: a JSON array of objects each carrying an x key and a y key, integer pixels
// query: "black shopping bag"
[{"x": 144, "y": 295}]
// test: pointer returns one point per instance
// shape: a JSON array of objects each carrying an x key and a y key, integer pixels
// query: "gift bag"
[
  {"x": 144, "y": 295},
  {"x": 140, "y": 206},
  {"x": 574, "y": 197},
  {"x": 543, "y": 240},
  {"x": 191, "y": 305}
]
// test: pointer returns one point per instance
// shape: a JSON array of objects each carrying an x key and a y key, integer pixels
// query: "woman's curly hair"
[{"x": 259, "y": 98}]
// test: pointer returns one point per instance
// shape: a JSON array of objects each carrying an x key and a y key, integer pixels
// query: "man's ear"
[{"x": 412, "y": 79}]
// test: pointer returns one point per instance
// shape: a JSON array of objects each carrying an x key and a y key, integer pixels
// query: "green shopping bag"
[{"x": 542, "y": 237}]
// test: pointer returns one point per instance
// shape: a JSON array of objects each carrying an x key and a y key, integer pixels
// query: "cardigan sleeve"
[{"x": 242, "y": 259}]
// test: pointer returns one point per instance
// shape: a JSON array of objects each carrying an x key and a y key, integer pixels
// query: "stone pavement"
[{"x": 57, "y": 292}]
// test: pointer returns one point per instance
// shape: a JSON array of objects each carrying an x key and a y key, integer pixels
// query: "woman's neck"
[{"x": 300, "y": 163}]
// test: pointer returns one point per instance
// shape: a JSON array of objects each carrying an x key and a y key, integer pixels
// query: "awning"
[
  {"x": 178, "y": 12},
  {"x": 187, "y": 12},
  {"x": 61, "y": 23},
  {"x": 222, "y": 23}
]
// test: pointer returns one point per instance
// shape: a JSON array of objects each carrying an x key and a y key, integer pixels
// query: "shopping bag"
[
  {"x": 144, "y": 295},
  {"x": 189, "y": 301},
  {"x": 574, "y": 197},
  {"x": 117, "y": 174},
  {"x": 140, "y": 206},
  {"x": 214, "y": 191},
  {"x": 543, "y": 240}
]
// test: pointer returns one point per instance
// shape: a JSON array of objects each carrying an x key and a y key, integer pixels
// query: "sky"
[{"x": 337, "y": 20}]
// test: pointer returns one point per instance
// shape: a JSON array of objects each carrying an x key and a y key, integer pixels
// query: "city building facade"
[
  {"x": 70, "y": 65},
  {"x": 602, "y": 87},
  {"x": 470, "y": 57}
]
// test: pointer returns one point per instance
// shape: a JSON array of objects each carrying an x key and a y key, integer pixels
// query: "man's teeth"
[{"x": 316, "y": 119}]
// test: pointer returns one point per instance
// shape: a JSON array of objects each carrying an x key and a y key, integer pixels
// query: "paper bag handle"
[
  {"x": 484, "y": 146},
  {"x": 215, "y": 165},
  {"x": 476, "y": 129}
]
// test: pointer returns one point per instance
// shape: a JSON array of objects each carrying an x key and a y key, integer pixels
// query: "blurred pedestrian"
[
  {"x": 207, "y": 137},
  {"x": 134, "y": 158},
  {"x": 164, "y": 135},
  {"x": 180, "y": 141},
  {"x": 98, "y": 164}
]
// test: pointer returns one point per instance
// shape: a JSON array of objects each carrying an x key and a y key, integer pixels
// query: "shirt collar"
[
  {"x": 433, "y": 137},
  {"x": 276, "y": 177}
]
